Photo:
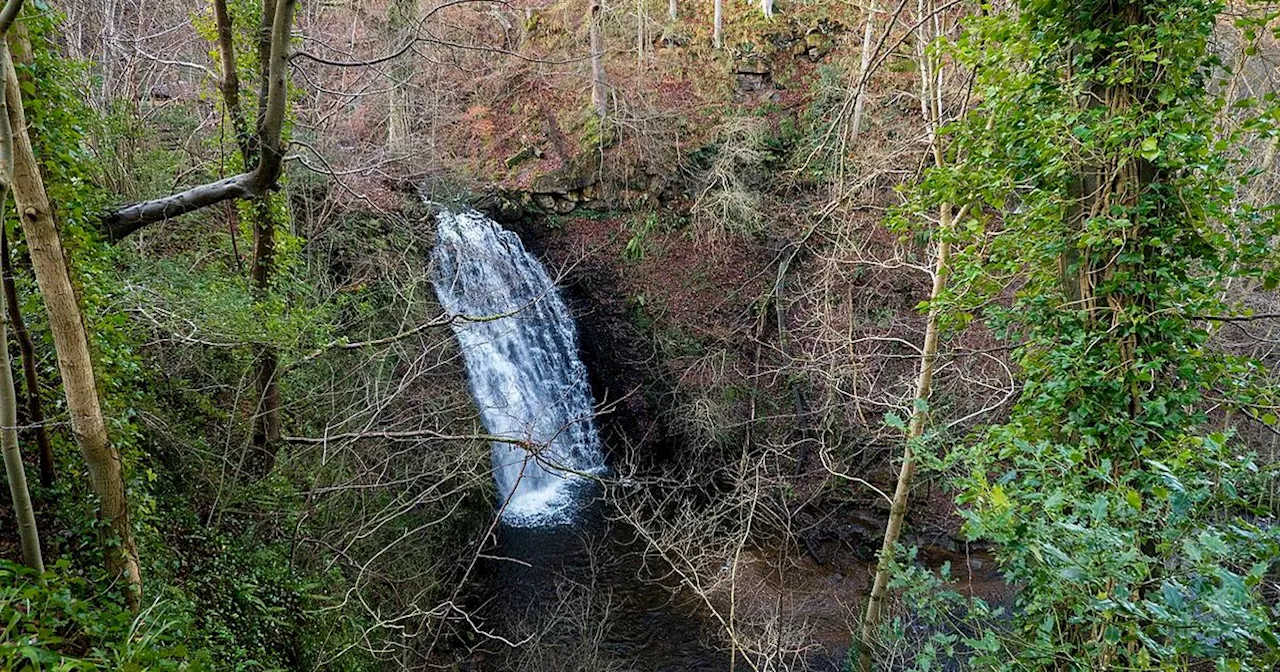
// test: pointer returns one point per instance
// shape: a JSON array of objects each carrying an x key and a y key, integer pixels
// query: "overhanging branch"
[
  {"x": 256, "y": 184},
  {"x": 128, "y": 219}
]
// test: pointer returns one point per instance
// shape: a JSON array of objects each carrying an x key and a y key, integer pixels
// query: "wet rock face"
[{"x": 613, "y": 350}]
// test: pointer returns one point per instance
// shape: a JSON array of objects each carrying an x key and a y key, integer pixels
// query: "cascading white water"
[{"x": 521, "y": 350}]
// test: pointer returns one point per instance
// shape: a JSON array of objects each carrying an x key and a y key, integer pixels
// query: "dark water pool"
[{"x": 583, "y": 597}]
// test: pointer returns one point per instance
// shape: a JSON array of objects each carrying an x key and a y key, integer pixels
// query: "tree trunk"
[
  {"x": 15, "y": 471},
  {"x": 766, "y": 6},
  {"x": 402, "y": 16},
  {"x": 640, "y": 38},
  {"x": 229, "y": 83},
  {"x": 267, "y": 423},
  {"x": 398, "y": 110},
  {"x": 599, "y": 90},
  {"x": 27, "y": 348},
  {"x": 671, "y": 10},
  {"x": 266, "y": 412},
  {"x": 265, "y": 32},
  {"x": 898, "y": 509},
  {"x": 860, "y": 96},
  {"x": 71, "y": 342},
  {"x": 276, "y": 32},
  {"x": 13, "y": 467},
  {"x": 718, "y": 25}
]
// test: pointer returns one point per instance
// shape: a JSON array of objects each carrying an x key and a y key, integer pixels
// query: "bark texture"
[
  {"x": 71, "y": 342},
  {"x": 864, "y": 65},
  {"x": 13, "y": 467},
  {"x": 267, "y": 423},
  {"x": 15, "y": 471},
  {"x": 718, "y": 25},
  {"x": 229, "y": 83}
]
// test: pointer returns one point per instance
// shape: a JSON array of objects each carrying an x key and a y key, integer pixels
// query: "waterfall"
[{"x": 521, "y": 351}]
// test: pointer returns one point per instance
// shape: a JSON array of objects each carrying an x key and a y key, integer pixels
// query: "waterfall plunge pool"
[{"x": 563, "y": 580}]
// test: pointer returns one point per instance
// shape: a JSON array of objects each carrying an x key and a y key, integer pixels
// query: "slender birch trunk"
[
  {"x": 15, "y": 471},
  {"x": 718, "y": 25},
  {"x": 640, "y": 37},
  {"x": 20, "y": 46},
  {"x": 402, "y": 15},
  {"x": 898, "y": 508},
  {"x": 13, "y": 467},
  {"x": 931, "y": 110},
  {"x": 868, "y": 34}
]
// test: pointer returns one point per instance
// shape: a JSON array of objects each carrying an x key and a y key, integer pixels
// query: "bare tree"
[
  {"x": 919, "y": 416},
  {"x": 931, "y": 107},
  {"x": 27, "y": 350},
  {"x": 401, "y": 17},
  {"x": 864, "y": 67},
  {"x": 13, "y": 467},
  {"x": 229, "y": 80}
]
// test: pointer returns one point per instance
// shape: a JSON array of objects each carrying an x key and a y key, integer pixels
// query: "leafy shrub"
[{"x": 59, "y": 622}]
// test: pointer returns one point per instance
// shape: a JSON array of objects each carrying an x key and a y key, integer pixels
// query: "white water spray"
[{"x": 521, "y": 350}]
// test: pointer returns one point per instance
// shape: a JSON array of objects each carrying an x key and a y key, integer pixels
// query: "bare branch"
[
  {"x": 255, "y": 184},
  {"x": 8, "y": 14}
]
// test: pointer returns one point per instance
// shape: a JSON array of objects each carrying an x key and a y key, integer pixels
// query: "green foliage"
[
  {"x": 939, "y": 627},
  {"x": 643, "y": 226},
  {"x": 828, "y": 93},
  {"x": 246, "y": 605},
  {"x": 60, "y": 623},
  {"x": 60, "y": 120},
  {"x": 598, "y": 133},
  {"x": 1137, "y": 530},
  {"x": 225, "y": 592}
]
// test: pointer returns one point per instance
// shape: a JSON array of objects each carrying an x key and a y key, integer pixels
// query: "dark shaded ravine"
[
  {"x": 588, "y": 599},
  {"x": 584, "y": 596}
]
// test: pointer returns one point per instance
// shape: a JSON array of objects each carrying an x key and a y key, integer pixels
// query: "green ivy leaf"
[{"x": 1150, "y": 149}]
